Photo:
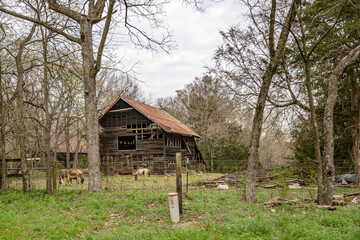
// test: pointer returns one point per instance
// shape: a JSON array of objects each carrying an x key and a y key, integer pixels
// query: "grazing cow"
[
  {"x": 70, "y": 175},
  {"x": 142, "y": 171}
]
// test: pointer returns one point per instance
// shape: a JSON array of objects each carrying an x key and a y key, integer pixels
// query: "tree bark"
[
  {"x": 55, "y": 161},
  {"x": 47, "y": 128},
  {"x": 92, "y": 123},
  {"x": 313, "y": 118},
  {"x": 67, "y": 141},
  {"x": 2, "y": 137},
  {"x": 249, "y": 192},
  {"x": 356, "y": 150},
  {"x": 315, "y": 127},
  {"x": 76, "y": 154},
  {"x": 329, "y": 169},
  {"x": 355, "y": 132},
  {"x": 21, "y": 127}
]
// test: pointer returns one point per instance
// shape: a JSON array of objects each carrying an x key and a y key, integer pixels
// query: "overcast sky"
[{"x": 196, "y": 35}]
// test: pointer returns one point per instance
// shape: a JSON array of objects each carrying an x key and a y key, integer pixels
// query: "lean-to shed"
[{"x": 135, "y": 135}]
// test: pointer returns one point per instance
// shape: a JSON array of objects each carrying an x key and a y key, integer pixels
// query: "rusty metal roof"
[
  {"x": 61, "y": 147},
  {"x": 167, "y": 122}
]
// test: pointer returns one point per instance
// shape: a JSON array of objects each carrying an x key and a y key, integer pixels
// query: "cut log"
[
  {"x": 328, "y": 207},
  {"x": 280, "y": 200},
  {"x": 351, "y": 194}
]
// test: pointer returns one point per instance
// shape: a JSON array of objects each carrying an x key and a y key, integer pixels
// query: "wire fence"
[
  {"x": 342, "y": 166},
  {"x": 214, "y": 173}
]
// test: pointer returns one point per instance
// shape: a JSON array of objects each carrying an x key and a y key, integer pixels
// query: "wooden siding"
[{"x": 155, "y": 149}]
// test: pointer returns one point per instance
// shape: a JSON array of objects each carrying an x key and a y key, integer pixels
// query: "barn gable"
[
  {"x": 136, "y": 135},
  {"x": 164, "y": 120}
]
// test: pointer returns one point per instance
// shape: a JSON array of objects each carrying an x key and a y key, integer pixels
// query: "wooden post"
[
  {"x": 187, "y": 175},
  {"x": 107, "y": 159},
  {"x": 178, "y": 180}
]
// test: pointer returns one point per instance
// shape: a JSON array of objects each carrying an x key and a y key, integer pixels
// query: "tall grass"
[{"x": 131, "y": 209}]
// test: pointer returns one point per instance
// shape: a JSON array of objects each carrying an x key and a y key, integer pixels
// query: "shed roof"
[
  {"x": 61, "y": 146},
  {"x": 167, "y": 122}
]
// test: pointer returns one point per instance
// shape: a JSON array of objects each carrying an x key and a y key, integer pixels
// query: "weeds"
[{"x": 126, "y": 212}]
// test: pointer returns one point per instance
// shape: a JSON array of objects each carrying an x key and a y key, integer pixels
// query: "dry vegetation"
[{"x": 139, "y": 209}]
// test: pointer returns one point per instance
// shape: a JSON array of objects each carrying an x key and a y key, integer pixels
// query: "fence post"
[
  {"x": 187, "y": 175},
  {"x": 178, "y": 180}
]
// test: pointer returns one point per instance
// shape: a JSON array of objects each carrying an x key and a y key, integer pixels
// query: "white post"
[{"x": 174, "y": 207}]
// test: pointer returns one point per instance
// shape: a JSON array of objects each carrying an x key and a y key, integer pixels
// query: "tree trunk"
[
  {"x": 329, "y": 169},
  {"x": 67, "y": 141},
  {"x": 76, "y": 154},
  {"x": 47, "y": 128},
  {"x": 3, "y": 153},
  {"x": 212, "y": 159},
  {"x": 249, "y": 192},
  {"x": 92, "y": 124},
  {"x": 316, "y": 131},
  {"x": 355, "y": 131},
  {"x": 21, "y": 123},
  {"x": 313, "y": 118},
  {"x": 20, "y": 112},
  {"x": 55, "y": 161},
  {"x": 356, "y": 150},
  {"x": 2, "y": 137}
]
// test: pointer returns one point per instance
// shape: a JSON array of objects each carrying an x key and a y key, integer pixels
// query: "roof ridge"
[{"x": 174, "y": 126}]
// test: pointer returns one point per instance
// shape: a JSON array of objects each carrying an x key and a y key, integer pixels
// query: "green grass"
[{"x": 139, "y": 210}]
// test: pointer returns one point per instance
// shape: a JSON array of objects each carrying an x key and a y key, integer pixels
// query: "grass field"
[{"x": 139, "y": 210}]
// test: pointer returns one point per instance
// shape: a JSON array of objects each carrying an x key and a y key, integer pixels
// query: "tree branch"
[
  {"x": 30, "y": 19},
  {"x": 53, "y": 5},
  {"x": 323, "y": 36},
  {"x": 104, "y": 35}
]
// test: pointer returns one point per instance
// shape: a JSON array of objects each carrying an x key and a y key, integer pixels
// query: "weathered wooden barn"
[{"x": 135, "y": 135}]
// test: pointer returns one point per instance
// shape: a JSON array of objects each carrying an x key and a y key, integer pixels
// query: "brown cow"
[{"x": 71, "y": 174}]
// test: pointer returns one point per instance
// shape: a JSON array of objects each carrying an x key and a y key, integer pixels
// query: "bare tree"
[
  {"x": 14, "y": 44},
  {"x": 86, "y": 18},
  {"x": 20, "y": 110},
  {"x": 113, "y": 84},
  {"x": 276, "y": 55},
  {"x": 2, "y": 122},
  {"x": 2, "y": 133},
  {"x": 329, "y": 170},
  {"x": 306, "y": 54},
  {"x": 48, "y": 122}
]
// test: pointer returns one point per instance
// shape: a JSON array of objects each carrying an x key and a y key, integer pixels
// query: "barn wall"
[
  {"x": 186, "y": 147},
  {"x": 149, "y": 150},
  {"x": 155, "y": 149}
]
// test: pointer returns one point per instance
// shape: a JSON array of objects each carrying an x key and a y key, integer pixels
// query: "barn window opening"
[
  {"x": 147, "y": 136},
  {"x": 126, "y": 142}
]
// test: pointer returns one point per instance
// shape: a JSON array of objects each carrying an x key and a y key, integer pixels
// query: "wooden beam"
[
  {"x": 121, "y": 110},
  {"x": 19, "y": 159},
  {"x": 13, "y": 160},
  {"x": 186, "y": 144},
  {"x": 13, "y": 175}
]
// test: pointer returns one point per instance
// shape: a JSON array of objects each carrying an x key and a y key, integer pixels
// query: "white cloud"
[{"x": 196, "y": 35}]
